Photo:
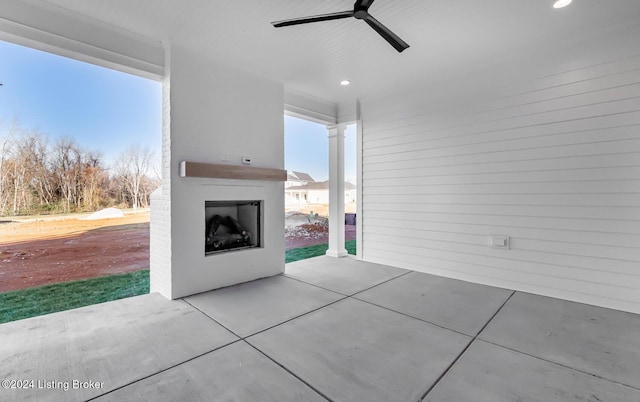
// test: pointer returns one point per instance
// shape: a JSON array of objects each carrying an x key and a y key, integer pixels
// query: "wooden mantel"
[{"x": 216, "y": 171}]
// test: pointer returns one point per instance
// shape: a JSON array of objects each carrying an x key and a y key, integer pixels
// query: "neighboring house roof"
[
  {"x": 295, "y": 176},
  {"x": 322, "y": 185}
]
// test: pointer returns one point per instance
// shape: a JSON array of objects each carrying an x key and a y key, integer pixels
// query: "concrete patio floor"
[{"x": 328, "y": 329}]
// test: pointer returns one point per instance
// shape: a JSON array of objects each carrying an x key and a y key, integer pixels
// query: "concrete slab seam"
[
  {"x": 287, "y": 370},
  {"x": 561, "y": 365},
  {"x": 453, "y": 363},
  {"x": 163, "y": 370}
]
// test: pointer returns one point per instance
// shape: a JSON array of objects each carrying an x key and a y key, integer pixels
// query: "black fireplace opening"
[{"x": 232, "y": 225}]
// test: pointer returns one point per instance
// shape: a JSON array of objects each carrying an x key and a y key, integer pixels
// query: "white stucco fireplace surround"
[
  {"x": 231, "y": 115},
  {"x": 192, "y": 269}
]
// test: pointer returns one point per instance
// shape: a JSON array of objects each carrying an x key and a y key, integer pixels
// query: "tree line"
[{"x": 39, "y": 176}]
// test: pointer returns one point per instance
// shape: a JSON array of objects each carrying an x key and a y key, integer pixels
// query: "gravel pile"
[
  {"x": 308, "y": 230},
  {"x": 106, "y": 213},
  {"x": 305, "y": 226}
]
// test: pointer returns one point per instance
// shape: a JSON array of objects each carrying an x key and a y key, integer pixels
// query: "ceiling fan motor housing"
[
  {"x": 360, "y": 14},
  {"x": 361, "y": 9}
]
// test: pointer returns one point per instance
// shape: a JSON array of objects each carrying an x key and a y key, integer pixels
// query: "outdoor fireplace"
[{"x": 232, "y": 226}]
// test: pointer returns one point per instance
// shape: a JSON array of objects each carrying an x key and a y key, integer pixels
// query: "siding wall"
[{"x": 552, "y": 162}]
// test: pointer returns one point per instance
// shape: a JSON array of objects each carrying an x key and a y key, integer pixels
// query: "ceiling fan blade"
[
  {"x": 362, "y": 4},
  {"x": 315, "y": 18},
  {"x": 393, "y": 39}
]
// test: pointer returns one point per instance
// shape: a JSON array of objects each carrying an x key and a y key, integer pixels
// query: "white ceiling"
[{"x": 448, "y": 38}]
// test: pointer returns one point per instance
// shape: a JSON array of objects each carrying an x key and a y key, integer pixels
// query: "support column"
[{"x": 336, "y": 191}]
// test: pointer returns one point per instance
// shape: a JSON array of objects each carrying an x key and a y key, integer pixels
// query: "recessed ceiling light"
[
  {"x": 561, "y": 3},
  {"x": 344, "y": 83}
]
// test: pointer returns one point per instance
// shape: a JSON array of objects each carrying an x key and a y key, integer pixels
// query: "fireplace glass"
[{"x": 231, "y": 226}]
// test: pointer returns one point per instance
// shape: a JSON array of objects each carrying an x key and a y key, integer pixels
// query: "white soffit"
[{"x": 47, "y": 28}]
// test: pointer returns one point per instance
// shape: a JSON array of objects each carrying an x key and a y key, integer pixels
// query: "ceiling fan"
[{"x": 361, "y": 12}]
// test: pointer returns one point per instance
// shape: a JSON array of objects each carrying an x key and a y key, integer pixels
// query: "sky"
[
  {"x": 102, "y": 109},
  {"x": 108, "y": 111},
  {"x": 306, "y": 149}
]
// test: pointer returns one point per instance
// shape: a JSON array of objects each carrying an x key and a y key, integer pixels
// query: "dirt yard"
[
  {"x": 41, "y": 251},
  {"x": 45, "y": 250}
]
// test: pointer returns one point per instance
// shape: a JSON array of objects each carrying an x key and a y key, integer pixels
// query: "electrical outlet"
[
  {"x": 498, "y": 241},
  {"x": 246, "y": 160}
]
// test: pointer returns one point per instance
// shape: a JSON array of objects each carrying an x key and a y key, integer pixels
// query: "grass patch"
[
  {"x": 350, "y": 246},
  {"x": 301, "y": 253},
  {"x": 19, "y": 304}
]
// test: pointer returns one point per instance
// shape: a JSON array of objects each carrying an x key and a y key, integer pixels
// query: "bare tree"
[
  {"x": 66, "y": 166},
  {"x": 36, "y": 176},
  {"x": 147, "y": 186},
  {"x": 15, "y": 173},
  {"x": 131, "y": 168},
  {"x": 5, "y": 151},
  {"x": 94, "y": 180},
  {"x": 32, "y": 152}
]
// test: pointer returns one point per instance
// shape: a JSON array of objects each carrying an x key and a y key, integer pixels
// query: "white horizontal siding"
[
  {"x": 554, "y": 163},
  {"x": 523, "y": 226}
]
